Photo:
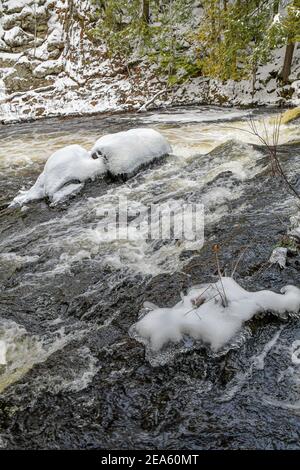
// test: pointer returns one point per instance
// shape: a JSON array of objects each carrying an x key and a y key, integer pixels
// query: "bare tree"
[
  {"x": 271, "y": 142},
  {"x": 271, "y": 146}
]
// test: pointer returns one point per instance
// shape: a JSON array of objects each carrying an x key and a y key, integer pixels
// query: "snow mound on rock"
[
  {"x": 201, "y": 314},
  {"x": 71, "y": 165},
  {"x": 125, "y": 152},
  {"x": 122, "y": 153}
]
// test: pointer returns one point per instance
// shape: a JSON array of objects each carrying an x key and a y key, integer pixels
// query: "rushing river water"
[{"x": 74, "y": 377}]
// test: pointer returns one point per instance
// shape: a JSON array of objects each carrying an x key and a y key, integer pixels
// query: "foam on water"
[
  {"x": 76, "y": 234},
  {"x": 287, "y": 391},
  {"x": 11, "y": 262},
  {"x": 75, "y": 373},
  {"x": 23, "y": 350},
  {"x": 203, "y": 114},
  {"x": 31, "y": 151},
  {"x": 204, "y": 137}
]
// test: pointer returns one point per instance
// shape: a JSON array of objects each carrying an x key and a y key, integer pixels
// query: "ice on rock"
[
  {"x": 68, "y": 164},
  {"x": 66, "y": 191},
  {"x": 71, "y": 164},
  {"x": 125, "y": 152},
  {"x": 211, "y": 322},
  {"x": 278, "y": 256},
  {"x": 35, "y": 193}
]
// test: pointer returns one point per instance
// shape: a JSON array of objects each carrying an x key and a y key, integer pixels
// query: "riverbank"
[{"x": 62, "y": 71}]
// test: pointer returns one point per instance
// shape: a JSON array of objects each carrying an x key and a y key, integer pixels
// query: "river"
[{"x": 74, "y": 376}]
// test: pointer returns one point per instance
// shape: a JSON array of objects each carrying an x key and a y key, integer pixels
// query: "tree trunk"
[
  {"x": 288, "y": 58},
  {"x": 276, "y": 7},
  {"x": 146, "y": 11}
]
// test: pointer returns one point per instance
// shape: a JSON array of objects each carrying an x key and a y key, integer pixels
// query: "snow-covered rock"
[
  {"x": 15, "y": 37},
  {"x": 63, "y": 174},
  {"x": 68, "y": 164},
  {"x": 3, "y": 46},
  {"x": 48, "y": 68},
  {"x": 118, "y": 154},
  {"x": 202, "y": 315},
  {"x": 55, "y": 39},
  {"x": 15, "y": 6},
  {"x": 125, "y": 152},
  {"x": 59, "y": 30}
]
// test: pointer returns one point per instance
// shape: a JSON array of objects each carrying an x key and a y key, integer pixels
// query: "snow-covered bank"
[{"x": 60, "y": 70}]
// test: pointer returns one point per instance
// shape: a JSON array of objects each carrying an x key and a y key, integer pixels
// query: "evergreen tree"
[
  {"x": 151, "y": 29},
  {"x": 233, "y": 39}
]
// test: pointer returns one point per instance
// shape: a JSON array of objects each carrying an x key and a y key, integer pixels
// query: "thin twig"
[
  {"x": 239, "y": 259},
  {"x": 195, "y": 309},
  {"x": 225, "y": 302},
  {"x": 219, "y": 292},
  {"x": 272, "y": 149}
]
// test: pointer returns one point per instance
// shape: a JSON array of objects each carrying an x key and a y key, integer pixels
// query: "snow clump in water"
[
  {"x": 67, "y": 169},
  {"x": 213, "y": 313}
]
